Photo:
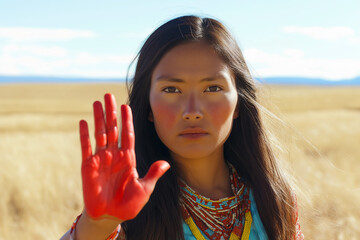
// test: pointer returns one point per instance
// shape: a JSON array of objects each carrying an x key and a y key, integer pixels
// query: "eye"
[
  {"x": 214, "y": 88},
  {"x": 171, "y": 90}
]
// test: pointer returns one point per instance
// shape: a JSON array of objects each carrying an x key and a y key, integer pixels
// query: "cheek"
[
  {"x": 164, "y": 113},
  {"x": 219, "y": 114},
  {"x": 222, "y": 111}
]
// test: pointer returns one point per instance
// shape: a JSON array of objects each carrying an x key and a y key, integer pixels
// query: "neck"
[{"x": 208, "y": 176}]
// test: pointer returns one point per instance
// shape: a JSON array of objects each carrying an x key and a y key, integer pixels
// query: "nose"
[{"x": 192, "y": 110}]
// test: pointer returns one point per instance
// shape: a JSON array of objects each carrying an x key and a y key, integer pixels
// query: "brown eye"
[
  {"x": 213, "y": 89},
  {"x": 171, "y": 90}
]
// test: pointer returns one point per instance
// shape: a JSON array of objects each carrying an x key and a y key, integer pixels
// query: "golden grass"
[{"x": 40, "y": 155}]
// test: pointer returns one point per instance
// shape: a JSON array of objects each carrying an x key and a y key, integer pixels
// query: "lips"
[{"x": 194, "y": 131}]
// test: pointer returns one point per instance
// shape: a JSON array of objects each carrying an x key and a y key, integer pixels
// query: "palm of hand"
[{"x": 111, "y": 186}]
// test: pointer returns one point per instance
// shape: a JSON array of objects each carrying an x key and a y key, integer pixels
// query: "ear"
[
  {"x": 151, "y": 117},
  {"x": 236, "y": 114}
]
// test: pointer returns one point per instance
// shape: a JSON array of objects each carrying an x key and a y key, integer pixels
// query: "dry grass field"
[{"x": 40, "y": 155}]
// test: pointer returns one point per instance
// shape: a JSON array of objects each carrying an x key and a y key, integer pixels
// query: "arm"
[
  {"x": 112, "y": 189},
  {"x": 87, "y": 228}
]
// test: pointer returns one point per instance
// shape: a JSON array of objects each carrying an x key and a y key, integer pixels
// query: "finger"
[
  {"x": 85, "y": 140},
  {"x": 111, "y": 121},
  {"x": 127, "y": 131},
  {"x": 100, "y": 130},
  {"x": 157, "y": 169}
]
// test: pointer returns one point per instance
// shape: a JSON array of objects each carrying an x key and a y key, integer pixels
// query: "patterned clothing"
[
  {"x": 257, "y": 230},
  {"x": 217, "y": 219},
  {"x": 233, "y": 218}
]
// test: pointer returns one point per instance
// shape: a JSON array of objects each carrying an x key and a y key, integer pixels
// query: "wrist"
[
  {"x": 90, "y": 228},
  {"x": 103, "y": 221}
]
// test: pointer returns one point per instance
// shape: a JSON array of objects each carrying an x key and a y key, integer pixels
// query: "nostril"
[{"x": 192, "y": 116}]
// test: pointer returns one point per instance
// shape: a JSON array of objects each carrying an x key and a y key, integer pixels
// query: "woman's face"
[{"x": 193, "y": 101}]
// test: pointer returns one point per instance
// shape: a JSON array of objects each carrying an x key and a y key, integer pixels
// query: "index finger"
[{"x": 127, "y": 131}]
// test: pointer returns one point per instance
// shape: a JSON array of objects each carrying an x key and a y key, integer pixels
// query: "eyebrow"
[{"x": 179, "y": 80}]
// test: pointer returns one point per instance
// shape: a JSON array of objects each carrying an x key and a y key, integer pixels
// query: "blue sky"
[{"x": 89, "y": 38}]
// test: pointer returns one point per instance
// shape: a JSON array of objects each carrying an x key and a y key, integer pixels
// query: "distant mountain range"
[
  {"x": 309, "y": 81},
  {"x": 269, "y": 80}
]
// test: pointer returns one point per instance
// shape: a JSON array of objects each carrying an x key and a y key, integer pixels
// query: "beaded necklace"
[{"x": 227, "y": 218}]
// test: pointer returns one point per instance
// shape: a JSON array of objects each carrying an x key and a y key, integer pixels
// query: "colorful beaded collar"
[{"x": 227, "y": 218}]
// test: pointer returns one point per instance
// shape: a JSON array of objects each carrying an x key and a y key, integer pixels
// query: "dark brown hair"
[{"x": 247, "y": 147}]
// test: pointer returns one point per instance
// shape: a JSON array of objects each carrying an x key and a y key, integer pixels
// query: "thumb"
[{"x": 157, "y": 169}]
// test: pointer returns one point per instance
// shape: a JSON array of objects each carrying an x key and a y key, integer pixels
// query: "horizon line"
[{"x": 265, "y": 80}]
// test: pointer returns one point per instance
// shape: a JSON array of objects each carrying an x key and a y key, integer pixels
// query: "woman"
[{"x": 194, "y": 106}]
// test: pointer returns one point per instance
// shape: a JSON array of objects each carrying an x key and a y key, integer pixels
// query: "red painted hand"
[{"x": 111, "y": 185}]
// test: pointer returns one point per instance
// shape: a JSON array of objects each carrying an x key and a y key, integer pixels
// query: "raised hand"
[{"x": 111, "y": 185}]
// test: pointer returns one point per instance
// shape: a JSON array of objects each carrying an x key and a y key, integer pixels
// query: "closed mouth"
[{"x": 193, "y": 131}]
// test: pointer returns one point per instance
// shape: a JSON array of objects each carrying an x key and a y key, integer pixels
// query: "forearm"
[{"x": 90, "y": 229}]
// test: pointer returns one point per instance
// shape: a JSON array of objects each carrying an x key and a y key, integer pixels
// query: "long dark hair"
[{"x": 247, "y": 147}]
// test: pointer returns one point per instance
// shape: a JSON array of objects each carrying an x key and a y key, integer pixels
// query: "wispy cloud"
[
  {"x": 86, "y": 58},
  {"x": 20, "y": 34},
  {"x": 325, "y": 33},
  {"x": 30, "y": 65},
  {"x": 293, "y": 62},
  {"x": 18, "y": 59},
  {"x": 38, "y": 50}
]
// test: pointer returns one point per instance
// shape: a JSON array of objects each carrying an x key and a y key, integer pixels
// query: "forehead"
[{"x": 191, "y": 60}]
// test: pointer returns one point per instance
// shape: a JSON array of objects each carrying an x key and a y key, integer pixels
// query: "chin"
[{"x": 193, "y": 154}]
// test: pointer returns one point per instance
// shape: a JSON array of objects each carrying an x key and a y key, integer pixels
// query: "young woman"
[{"x": 194, "y": 108}]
